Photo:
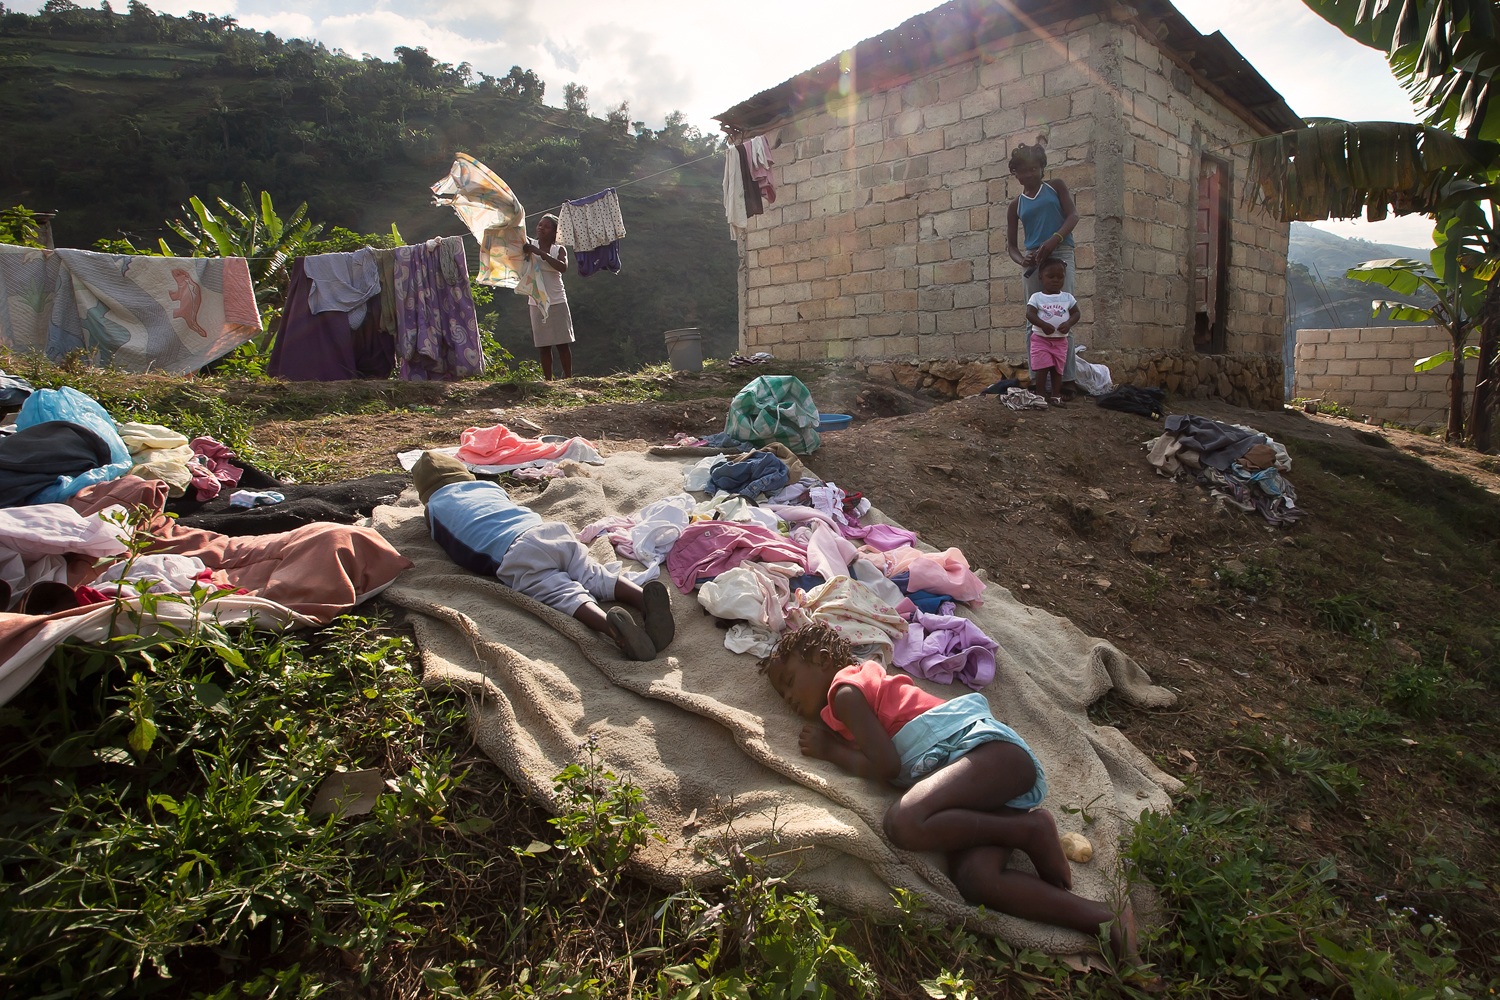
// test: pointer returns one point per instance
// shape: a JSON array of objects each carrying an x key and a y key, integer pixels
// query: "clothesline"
[{"x": 554, "y": 208}]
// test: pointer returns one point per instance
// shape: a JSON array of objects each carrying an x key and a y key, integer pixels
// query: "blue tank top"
[{"x": 1042, "y": 216}]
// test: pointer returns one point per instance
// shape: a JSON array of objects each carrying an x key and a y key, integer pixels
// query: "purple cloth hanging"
[
  {"x": 320, "y": 347},
  {"x": 945, "y": 649},
  {"x": 437, "y": 332},
  {"x": 605, "y": 258}
]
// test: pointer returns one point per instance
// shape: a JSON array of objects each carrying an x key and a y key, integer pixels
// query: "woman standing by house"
[
  {"x": 1045, "y": 209},
  {"x": 556, "y": 329}
]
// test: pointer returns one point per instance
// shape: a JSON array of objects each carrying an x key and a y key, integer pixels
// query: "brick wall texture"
[
  {"x": 887, "y": 237},
  {"x": 1369, "y": 370}
]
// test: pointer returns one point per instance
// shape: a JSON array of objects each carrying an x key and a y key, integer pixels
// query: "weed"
[
  {"x": 760, "y": 936},
  {"x": 1244, "y": 917},
  {"x": 601, "y": 821},
  {"x": 1348, "y": 614},
  {"x": 156, "y": 809},
  {"x": 1420, "y": 690}
]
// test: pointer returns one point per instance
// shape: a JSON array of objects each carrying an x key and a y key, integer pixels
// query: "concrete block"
[
  {"x": 1394, "y": 351},
  {"x": 982, "y": 102},
  {"x": 1374, "y": 367},
  {"x": 1360, "y": 349},
  {"x": 1391, "y": 382},
  {"x": 1344, "y": 368},
  {"x": 937, "y": 115},
  {"x": 1037, "y": 59},
  {"x": 1330, "y": 352},
  {"x": 970, "y": 295},
  {"x": 933, "y": 251}
]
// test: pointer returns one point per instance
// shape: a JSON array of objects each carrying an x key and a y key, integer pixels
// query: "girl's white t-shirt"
[{"x": 1053, "y": 309}]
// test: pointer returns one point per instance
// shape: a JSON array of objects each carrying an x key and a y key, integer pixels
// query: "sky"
[{"x": 702, "y": 58}]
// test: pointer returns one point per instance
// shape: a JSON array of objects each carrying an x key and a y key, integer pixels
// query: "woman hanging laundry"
[{"x": 555, "y": 327}]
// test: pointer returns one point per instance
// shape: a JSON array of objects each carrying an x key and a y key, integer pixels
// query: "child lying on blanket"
[
  {"x": 484, "y": 530},
  {"x": 972, "y": 784}
]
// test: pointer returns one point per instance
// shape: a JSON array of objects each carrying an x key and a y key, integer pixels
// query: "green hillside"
[{"x": 115, "y": 120}]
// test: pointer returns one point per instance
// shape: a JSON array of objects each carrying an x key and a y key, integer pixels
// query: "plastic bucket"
[
  {"x": 685, "y": 349},
  {"x": 833, "y": 421}
]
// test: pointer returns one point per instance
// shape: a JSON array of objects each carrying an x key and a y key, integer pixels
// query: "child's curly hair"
[
  {"x": 812, "y": 642},
  {"x": 1024, "y": 154}
]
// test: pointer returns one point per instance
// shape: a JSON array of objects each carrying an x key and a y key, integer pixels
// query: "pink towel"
[
  {"x": 935, "y": 572},
  {"x": 499, "y": 445}
]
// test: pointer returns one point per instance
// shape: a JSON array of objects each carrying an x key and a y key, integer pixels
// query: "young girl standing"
[
  {"x": 972, "y": 784},
  {"x": 1052, "y": 312},
  {"x": 556, "y": 330},
  {"x": 1045, "y": 209}
]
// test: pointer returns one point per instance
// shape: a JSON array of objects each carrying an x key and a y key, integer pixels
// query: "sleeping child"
[
  {"x": 971, "y": 783},
  {"x": 484, "y": 530}
]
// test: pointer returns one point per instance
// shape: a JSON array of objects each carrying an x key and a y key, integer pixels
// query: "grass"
[{"x": 155, "y": 840}]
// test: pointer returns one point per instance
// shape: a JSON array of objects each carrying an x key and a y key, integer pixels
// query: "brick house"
[{"x": 886, "y": 243}]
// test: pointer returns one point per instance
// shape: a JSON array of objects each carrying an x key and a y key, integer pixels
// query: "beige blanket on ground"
[{"x": 704, "y": 736}]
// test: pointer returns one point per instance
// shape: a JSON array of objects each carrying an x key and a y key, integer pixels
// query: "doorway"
[{"x": 1211, "y": 257}]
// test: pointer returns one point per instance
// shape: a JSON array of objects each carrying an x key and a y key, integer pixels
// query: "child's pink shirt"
[{"x": 894, "y": 698}]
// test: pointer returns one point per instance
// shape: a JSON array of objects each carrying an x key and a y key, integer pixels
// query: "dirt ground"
[{"x": 1062, "y": 508}]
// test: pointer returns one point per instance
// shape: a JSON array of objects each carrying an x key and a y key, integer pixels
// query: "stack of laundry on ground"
[
  {"x": 82, "y": 502},
  {"x": 768, "y": 546},
  {"x": 1238, "y": 465}
]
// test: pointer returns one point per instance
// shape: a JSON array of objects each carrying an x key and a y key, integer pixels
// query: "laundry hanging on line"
[
  {"x": 593, "y": 227},
  {"x": 134, "y": 313},
  {"x": 497, "y": 220},
  {"x": 417, "y": 311},
  {"x": 748, "y": 183}
]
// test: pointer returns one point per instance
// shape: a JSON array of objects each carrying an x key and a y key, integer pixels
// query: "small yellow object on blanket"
[{"x": 1077, "y": 848}]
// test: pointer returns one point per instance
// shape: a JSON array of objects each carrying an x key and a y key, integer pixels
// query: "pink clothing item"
[
  {"x": 205, "y": 484},
  {"x": 499, "y": 445},
  {"x": 1048, "y": 352},
  {"x": 828, "y": 554},
  {"x": 893, "y": 697},
  {"x": 213, "y": 467},
  {"x": 880, "y": 536},
  {"x": 708, "y": 548},
  {"x": 935, "y": 572},
  {"x": 759, "y": 155}
]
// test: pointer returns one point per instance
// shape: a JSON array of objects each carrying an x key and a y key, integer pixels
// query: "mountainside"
[
  {"x": 115, "y": 121},
  {"x": 1333, "y": 255},
  {"x": 1319, "y": 297}
]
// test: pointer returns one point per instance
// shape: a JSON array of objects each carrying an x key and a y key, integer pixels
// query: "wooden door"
[{"x": 1206, "y": 241}]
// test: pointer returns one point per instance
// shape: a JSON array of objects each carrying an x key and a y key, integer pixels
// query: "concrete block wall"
[
  {"x": 1170, "y": 123},
  {"x": 887, "y": 236},
  {"x": 1369, "y": 370}
]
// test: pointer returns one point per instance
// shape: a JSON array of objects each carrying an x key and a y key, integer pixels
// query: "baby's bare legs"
[{"x": 963, "y": 806}]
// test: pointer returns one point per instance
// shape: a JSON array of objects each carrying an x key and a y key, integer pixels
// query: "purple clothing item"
[
  {"x": 605, "y": 258},
  {"x": 880, "y": 536},
  {"x": 437, "y": 333},
  {"x": 320, "y": 347},
  {"x": 945, "y": 649}
]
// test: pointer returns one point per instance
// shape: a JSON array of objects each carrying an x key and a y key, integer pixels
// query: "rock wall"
[{"x": 1249, "y": 380}]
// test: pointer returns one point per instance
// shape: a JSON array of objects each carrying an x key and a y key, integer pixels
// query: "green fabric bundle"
[{"x": 775, "y": 408}]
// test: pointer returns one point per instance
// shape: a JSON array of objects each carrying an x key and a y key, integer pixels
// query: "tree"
[
  {"x": 1454, "y": 295},
  {"x": 576, "y": 99},
  {"x": 1446, "y": 54}
]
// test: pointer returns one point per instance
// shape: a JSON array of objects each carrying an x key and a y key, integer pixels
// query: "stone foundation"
[{"x": 1250, "y": 380}]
